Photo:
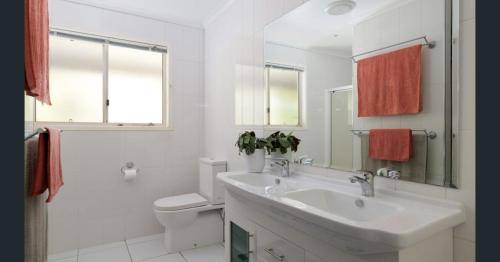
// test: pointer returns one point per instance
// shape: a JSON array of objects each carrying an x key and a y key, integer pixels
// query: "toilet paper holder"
[{"x": 128, "y": 165}]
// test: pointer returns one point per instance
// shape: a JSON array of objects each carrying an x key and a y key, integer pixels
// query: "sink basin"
[
  {"x": 256, "y": 180},
  {"x": 334, "y": 210},
  {"x": 344, "y": 205}
]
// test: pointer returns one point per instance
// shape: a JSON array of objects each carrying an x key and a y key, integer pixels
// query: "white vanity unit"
[{"x": 313, "y": 218}]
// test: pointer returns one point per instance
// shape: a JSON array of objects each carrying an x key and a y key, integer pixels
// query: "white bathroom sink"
[
  {"x": 334, "y": 209},
  {"x": 256, "y": 180},
  {"x": 344, "y": 205}
]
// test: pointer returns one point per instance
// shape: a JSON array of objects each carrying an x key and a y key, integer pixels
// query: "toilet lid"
[{"x": 180, "y": 202}]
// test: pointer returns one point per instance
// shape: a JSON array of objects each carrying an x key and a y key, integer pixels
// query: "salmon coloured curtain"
[{"x": 36, "y": 50}]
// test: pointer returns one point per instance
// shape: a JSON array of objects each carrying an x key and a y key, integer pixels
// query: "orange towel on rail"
[
  {"x": 389, "y": 84},
  {"x": 390, "y": 144},
  {"x": 36, "y": 50},
  {"x": 48, "y": 170}
]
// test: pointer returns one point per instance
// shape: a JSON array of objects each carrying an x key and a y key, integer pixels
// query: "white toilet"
[{"x": 195, "y": 219}]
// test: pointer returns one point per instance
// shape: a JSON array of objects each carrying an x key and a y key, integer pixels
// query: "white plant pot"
[{"x": 256, "y": 161}]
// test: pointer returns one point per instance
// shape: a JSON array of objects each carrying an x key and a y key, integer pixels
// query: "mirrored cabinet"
[{"x": 240, "y": 244}]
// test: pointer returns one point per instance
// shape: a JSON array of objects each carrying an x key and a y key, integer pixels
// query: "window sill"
[
  {"x": 102, "y": 127},
  {"x": 281, "y": 128}
]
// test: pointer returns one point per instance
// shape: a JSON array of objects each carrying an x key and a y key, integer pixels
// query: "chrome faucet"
[
  {"x": 284, "y": 164},
  {"x": 304, "y": 160},
  {"x": 389, "y": 173},
  {"x": 366, "y": 182}
]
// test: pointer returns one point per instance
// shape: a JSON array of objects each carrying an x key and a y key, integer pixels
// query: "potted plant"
[
  {"x": 254, "y": 149},
  {"x": 281, "y": 143}
]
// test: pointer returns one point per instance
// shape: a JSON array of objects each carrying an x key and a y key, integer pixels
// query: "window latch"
[{"x": 107, "y": 102}]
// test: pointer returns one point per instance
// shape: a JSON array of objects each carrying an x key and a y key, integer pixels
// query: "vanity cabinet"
[
  {"x": 272, "y": 248},
  {"x": 249, "y": 242},
  {"x": 261, "y": 233}
]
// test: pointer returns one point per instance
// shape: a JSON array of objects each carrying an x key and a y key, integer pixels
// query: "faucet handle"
[
  {"x": 366, "y": 173},
  {"x": 355, "y": 179}
]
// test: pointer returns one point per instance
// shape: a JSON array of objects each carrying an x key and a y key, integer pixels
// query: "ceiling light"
[{"x": 340, "y": 7}]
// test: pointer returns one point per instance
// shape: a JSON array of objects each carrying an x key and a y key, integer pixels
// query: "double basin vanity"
[{"x": 306, "y": 217}]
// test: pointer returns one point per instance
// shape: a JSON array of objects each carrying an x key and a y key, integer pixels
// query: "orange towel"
[
  {"x": 390, "y": 144},
  {"x": 48, "y": 170},
  {"x": 389, "y": 84},
  {"x": 36, "y": 49}
]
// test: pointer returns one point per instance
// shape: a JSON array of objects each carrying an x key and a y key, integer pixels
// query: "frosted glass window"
[
  {"x": 135, "y": 89},
  {"x": 97, "y": 81},
  {"x": 283, "y": 96},
  {"x": 75, "y": 82}
]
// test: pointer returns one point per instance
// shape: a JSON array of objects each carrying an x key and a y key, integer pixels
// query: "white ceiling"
[
  {"x": 187, "y": 12},
  {"x": 309, "y": 27}
]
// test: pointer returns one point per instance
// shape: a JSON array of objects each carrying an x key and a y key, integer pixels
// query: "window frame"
[
  {"x": 105, "y": 125},
  {"x": 300, "y": 92}
]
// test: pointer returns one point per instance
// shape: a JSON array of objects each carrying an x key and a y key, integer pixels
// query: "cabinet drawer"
[{"x": 272, "y": 248}]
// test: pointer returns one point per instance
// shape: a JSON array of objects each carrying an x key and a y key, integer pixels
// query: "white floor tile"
[
  {"x": 68, "y": 259},
  {"x": 144, "y": 239},
  {"x": 148, "y": 249},
  {"x": 84, "y": 251},
  {"x": 168, "y": 258},
  {"x": 213, "y": 253},
  {"x": 116, "y": 254},
  {"x": 67, "y": 254}
]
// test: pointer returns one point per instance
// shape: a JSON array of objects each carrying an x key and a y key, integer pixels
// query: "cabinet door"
[
  {"x": 241, "y": 242},
  {"x": 272, "y": 248}
]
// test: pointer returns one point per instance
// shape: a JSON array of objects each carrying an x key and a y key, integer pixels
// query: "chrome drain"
[{"x": 359, "y": 203}]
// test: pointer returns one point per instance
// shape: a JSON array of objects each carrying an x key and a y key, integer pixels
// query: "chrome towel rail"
[
  {"x": 430, "y": 134},
  {"x": 430, "y": 44},
  {"x": 38, "y": 131}
]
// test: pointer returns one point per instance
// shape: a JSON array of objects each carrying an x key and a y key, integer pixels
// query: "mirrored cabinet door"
[{"x": 240, "y": 244}]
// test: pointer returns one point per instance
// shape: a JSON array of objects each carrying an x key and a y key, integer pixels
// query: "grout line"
[
  {"x": 464, "y": 239},
  {"x": 145, "y": 240},
  {"x": 182, "y": 255},
  {"x": 128, "y": 251}
]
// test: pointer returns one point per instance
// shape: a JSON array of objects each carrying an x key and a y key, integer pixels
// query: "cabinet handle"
[{"x": 270, "y": 251}]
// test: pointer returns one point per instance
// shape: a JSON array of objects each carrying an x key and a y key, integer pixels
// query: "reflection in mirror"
[
  {"x": 312, "y": 56},
  {"x": 341, "y": 126},
  {"x": 283, "y": 88}
]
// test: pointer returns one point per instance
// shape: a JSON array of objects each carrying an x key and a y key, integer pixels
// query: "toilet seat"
[{"x": 179, "y": 202}]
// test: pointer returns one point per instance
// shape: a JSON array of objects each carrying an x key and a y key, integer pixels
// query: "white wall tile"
[
  {"x": 467, "y": 9},
  {"x": 464, "y": 251},
  {"x": 468, "y": 77},
  {"x": 96, "y": 205},
  {"x": 422, "y": 189},
  {"x": 467, "y": 230},
  {"x": 390, "y": 25},
  {"x": 410, "y": 16}
]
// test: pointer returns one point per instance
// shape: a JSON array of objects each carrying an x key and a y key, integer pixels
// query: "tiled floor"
[{"x": 144, "y": 249}]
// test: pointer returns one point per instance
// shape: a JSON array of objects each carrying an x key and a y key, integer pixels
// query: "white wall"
[
  {"x": 95, "y": 205},
  {"x": 222, "y": 47},
  {"x": 322, "y": 72}
]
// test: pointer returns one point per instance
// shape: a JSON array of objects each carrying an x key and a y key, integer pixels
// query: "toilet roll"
[{"x": 129, "y": 174}]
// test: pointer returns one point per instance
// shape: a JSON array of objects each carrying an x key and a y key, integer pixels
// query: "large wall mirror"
[{"x": 311, "y": 57}]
